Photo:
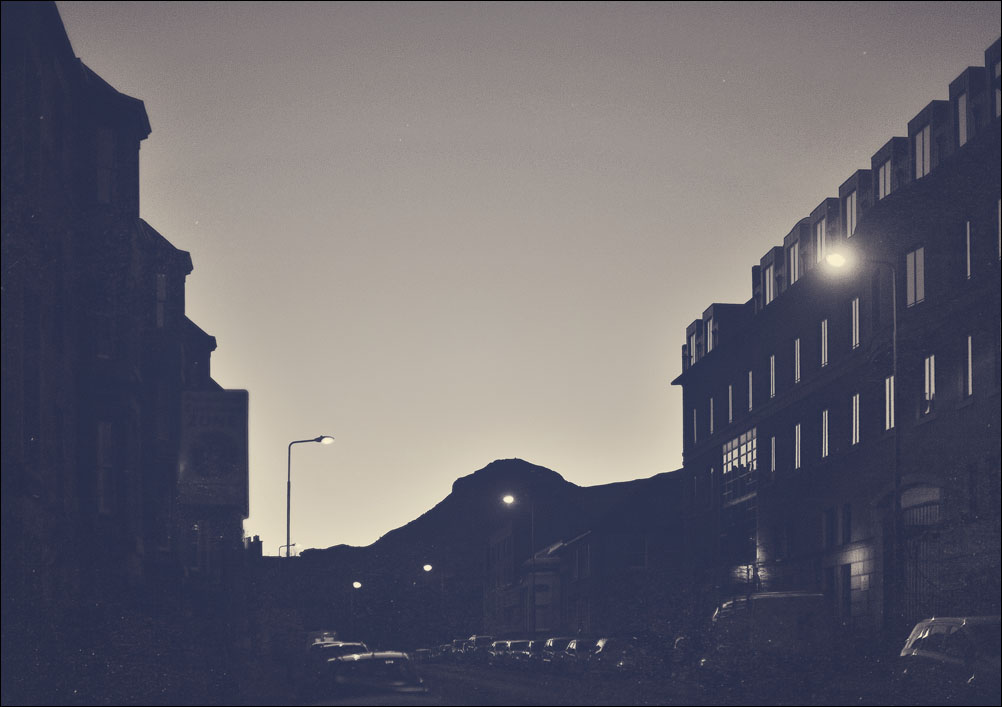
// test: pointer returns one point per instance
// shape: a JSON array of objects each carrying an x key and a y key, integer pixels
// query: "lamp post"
[
  {"x": 322, "y": 439},
  {"x": 840, "y": 260},
  {"x": 509, "y": 500}
]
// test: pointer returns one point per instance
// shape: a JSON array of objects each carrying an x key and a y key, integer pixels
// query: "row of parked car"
[{"x": 776, "y": 643}]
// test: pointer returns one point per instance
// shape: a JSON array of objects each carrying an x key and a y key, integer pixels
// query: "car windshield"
[{"x": 519, "y": 645}]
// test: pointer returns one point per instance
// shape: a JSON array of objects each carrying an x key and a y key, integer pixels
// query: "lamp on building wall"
[
  {"x": 322, "y": 439},
  {"x": 847, "y": 259},
  {"x": 509, "y": 500}
]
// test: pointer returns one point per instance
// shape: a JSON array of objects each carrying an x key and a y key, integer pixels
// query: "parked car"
[
  {"x": 525, "y": 655},
  {"x": 497, "y": 653},
  {"x": 379, "y": 678},
  {"x": 477, "y": 648},
  {"x": 769, "y": 643},
  {"x": 952, "y": 660},
  {"x": 551, "y": 648},
  {"x": 574, "y": 658},
  {"x": 629, "y": 656}
]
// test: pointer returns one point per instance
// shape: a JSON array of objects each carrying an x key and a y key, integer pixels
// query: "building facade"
[
  {"x": 841, "y": 427},
  {"x": 97, "y": 357}
]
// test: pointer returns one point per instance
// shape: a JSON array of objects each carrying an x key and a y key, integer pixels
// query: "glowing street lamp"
[
  {"x": 322, "y": 439},
  {"x": 427, "y": 568}
]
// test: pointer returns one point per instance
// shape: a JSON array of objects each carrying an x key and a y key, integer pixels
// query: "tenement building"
[
  {"x": 124, "y": 462},
  {"x": 842, "y": 425}
]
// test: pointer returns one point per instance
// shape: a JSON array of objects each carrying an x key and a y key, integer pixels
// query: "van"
[{"x": 769, "y": 641}]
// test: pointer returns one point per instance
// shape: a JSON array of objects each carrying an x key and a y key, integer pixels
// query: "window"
[
  {"x": 768, "y": 292},
  {"x": 819, "y": 241},
  {"x": 162, "y": 300},
  {"x": 692, "y": 349},
  {"x": 711, "y": 414},
  {"x": 850, "y": 214},
  {"x": 796, "y": 360},
  {"x": 855, "y": 323},
  {"x": 961, "y": 120},
  {"x": 730, "y": 403},
  {"x": 915, "y": 277},
  {"x": 969, "y": 368},
  {"x": 929, "y": 387},
  {"x": 709, "y": 335},
  {"x": 741, "y": 452},
  {"x": 694, "y": 424},
  {"x": 884, "y": 180},
  {"x": 793, "y": 256},
  {"x": 772, "y": 376},
  {"x": 824, "y": 343},
  {"x": 855, "y": 418},
  {"x": 967, "y": 249},
  {"x": 796, "y": 446},
  {"x": 922, "y": 152},
  {"x": 772, "y": 453},
  {"x": 889, "y": 403},
  {"x": 749, "y": 391},
  {"x": 824, "y": 433}
]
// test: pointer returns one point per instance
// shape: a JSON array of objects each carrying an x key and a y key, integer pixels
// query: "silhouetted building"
[
  {"x": 820, "y": 460},
  {"x": 97, "y": 355}
]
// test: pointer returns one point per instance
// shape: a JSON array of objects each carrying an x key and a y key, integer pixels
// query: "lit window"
[
  {"x": 969, "y": 368},
  {"x": 962, "y": 119},
  {"x": 749, "y": 391},
  {"x": 889, "y": 403},
  {"x": 884, "y": 180},
  {"x": 922, "y": 152},
  {"x": 796, "y": 446},
  {"x": 694, "y": 424},
  {"x": 711, "y": 414},
  {"x": 709, "y": 335},
  {"x": 772, "y": 453},
  {"x": 915, "y": 277},
  {"x": 967, "y": 249},
  {"x": 824, "y": 433},
  {"x": 850, "y": 214},
  {"x": 767, "y": 285},
  {"x": 692, "y": 349},
  {"x": 796, "y": 360},
  {"x": 730, "y": 403},
  {"x": 855, "y": 322},
  {"x": 929, "y": 387},
  {"x": 855, "y": 418},
  {"x": 819, "y": 241},
  {"x": 824, "y": 343},
  {"x": 793, "y": 256},
  {"x": 741, "y": 453},
  {"x": 772, "y": 376}
]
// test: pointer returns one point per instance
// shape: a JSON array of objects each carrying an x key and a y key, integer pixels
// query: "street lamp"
[
  {"x": 322, "y": 439},
  {"x": 846, "y": 258},
  {"x": 509, "y": 500}
]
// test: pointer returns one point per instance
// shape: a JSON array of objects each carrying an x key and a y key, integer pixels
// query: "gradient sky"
[{"x": 452, "y": 233}]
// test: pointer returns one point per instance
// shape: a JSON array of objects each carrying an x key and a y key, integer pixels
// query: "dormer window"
[
  {"x": 819, "y": 241},
  {"x": 768, "y": 285},
  {"x": 793, "y": 255},
  {"x": 922, "y": 154},
  {"x": 884, "y": 180},
  {"x": 850, "y": 214}
]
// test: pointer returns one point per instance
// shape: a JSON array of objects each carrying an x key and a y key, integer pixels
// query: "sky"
[{"x": 451, "y": 233}]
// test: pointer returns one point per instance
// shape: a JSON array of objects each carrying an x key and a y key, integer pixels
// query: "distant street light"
[
  {"x": 356, "y": 584},
  {"x": 840, "y": 259},
  {"x": 322, "y": 439},
  {"x": 427, "y": 568},
  {"x": 509, "y": 500}
]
